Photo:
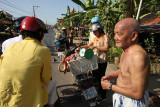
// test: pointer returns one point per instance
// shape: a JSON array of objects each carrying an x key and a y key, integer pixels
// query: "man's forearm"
[
  {"x": 127, "y": 91},
  {"x": 115, "y": 74}
]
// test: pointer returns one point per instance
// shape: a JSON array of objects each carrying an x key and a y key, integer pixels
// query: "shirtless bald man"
[{"x": 133, "y": 73}]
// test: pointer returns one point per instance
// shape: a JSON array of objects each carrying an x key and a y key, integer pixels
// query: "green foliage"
[
  {"x": 78, "y": 2},
  {"x": 158, "y": 13},
  {"x": 68, "y": 10},
  {"x": 154, "y": 65},
  {"x": 149, "y": 6},
  {"x": 2, "y": 16},
  {"x": 110, "y": 12},
  {"x": 113, "y": 51},
  {"x": 149, "y": 43}
]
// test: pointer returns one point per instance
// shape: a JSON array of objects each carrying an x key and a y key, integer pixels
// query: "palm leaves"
[{"x": 79, "y": 3}]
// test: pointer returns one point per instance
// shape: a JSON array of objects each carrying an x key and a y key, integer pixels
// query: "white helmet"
[
  {"x": 63, "y": 28},
  {"x": 96, "y": 26}
]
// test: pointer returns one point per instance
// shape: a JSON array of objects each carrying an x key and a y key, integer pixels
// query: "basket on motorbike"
[{"x": 83, "y": 65}]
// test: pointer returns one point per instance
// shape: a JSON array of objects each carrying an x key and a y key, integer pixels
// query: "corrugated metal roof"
[
  {"x": 150, "y": 28},
  {"x": 150, "y": 23}
]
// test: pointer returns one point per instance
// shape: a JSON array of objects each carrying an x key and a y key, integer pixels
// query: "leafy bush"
[{"x": 113, "y": 51}]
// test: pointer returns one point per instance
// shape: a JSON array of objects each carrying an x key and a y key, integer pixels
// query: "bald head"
[
  {"x": 130, "y": 24},
  {"x": 126, "y": 33}
]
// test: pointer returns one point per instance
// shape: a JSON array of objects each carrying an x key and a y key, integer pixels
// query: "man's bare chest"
[{"x": 124, "y": 66}]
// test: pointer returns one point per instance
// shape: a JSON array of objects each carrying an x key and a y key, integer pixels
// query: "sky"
[{"x": 47, "y": 10}]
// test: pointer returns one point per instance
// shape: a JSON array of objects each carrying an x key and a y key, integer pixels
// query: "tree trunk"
[{"x": 130, "y": 9}]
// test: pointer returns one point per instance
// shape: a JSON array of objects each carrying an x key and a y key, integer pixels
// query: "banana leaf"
[
  {"x": 68, "y": 10},
  {"x": 78, "y": 2}
]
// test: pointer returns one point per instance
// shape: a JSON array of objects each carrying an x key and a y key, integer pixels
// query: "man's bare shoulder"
[
  {"x": 138, "y": 51},
  {"x": 139, "y": 56}
]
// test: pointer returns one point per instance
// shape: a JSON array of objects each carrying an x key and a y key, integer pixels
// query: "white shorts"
[
  {"x": 123, "y": 101},
  {"x": 52, "y": 94}
]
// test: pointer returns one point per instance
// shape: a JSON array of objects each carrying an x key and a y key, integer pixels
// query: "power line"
[
  {"x": 11, "y": 11},
  {"x": 26, "y": 5},
  {"x": 7, "y": 9},
  {"x": 13, "y": 6},
  {"x": 38, "y": 12},
  {"x": 32, "y": 2},
  {"x": 35, "y": 2},
  {"x": 16, "y": 6},
  {"x": 22, "y": 4}
]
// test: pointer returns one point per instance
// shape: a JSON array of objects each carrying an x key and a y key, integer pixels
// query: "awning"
[{"x": 150, "y": 28}]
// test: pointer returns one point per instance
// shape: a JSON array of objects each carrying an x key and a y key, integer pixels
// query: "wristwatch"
[{"x": 110, "y": 87}]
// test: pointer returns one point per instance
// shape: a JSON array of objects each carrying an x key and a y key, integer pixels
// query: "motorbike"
[
  {"x": 62, "y": 44},
  {"x": 81, "y": 67}
]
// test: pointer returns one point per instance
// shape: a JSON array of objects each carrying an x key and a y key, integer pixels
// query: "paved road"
[{"x": 69, "y": 95}]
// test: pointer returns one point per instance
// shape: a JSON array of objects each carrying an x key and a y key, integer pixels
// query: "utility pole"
[
  {"x": 34, "y": 10},
  {"x": 139, "y": 9}
]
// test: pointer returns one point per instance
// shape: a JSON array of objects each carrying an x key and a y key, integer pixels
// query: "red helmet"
[{"x": 33, "y": 24}]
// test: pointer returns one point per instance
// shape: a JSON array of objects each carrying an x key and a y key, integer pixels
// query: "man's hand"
[
  {"x": 107, "y": 77},
  {"x": 77, "y": 49},
  {"x": 105, "y": 84}
]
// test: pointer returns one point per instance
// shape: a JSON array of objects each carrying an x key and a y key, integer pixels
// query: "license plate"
[{"x": 90, "y": 93}]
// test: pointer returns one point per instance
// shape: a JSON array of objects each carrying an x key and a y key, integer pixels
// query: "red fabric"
[
  {"x": 72, "y": 11},
  {"x": 71, "y": 57},
  {"x": 61, "y": 21}
]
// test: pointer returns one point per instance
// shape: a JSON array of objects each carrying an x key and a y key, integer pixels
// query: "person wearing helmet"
[
  {"x": 93, "y": 21},
  {"x": 64, "y": 32},
  {"x": 26, "y": 68},
  {"x": 64, "y": 35},
  {"x": 17, "y": 25},
  {"x": 63, "y": 28},
  {"x": 100, "y": 46},
  {"x": 57, "y": 33}
]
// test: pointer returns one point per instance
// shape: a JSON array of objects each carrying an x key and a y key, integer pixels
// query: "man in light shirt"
[
  {"x": 9, "y": 41},
  {"x": 17, "y": 24}
]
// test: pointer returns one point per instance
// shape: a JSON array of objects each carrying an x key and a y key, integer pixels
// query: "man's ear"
[
  {"x": 41, "y": 36},
  {"x": 134, "y": 36}
]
